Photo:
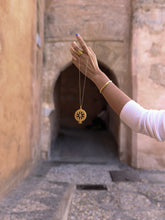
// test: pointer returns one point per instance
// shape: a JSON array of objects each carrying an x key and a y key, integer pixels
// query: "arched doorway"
[{"x": 94, "y": 140}]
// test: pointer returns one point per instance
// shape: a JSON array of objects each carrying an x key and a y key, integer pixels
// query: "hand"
[
  {"x": 114, "y": 96},
  {"x": 87, "y": 61}
]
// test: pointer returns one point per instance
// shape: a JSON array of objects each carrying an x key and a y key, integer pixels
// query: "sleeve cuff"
[{"x": 130, "y": 114}]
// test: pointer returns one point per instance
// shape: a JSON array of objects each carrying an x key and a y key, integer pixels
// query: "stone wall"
[
  {"x": 127, "y": 36},
  {"x": 148, "y": 69},
  {"x": 20, "y": 86},
  {"x": 105, "y": 26}
]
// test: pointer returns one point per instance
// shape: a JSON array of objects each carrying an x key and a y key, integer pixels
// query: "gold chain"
[
  {"x": 80, "y": 115},
  {"x": 81, "y": 95}
]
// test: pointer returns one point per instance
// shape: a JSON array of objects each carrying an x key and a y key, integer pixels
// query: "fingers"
[
  {"x": 83, "y": 46},
  {"x": 75, "y": 46},
  {"x": 82, "y": 43},
  {"x": 78, "y": 50},
  {"x": 74, "y": 54}
]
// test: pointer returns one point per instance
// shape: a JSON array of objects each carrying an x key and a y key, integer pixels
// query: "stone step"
[{"x": 37, "y": 198}]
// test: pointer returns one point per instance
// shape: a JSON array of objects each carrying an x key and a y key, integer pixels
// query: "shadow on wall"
[{"x": 66, "y": 102}]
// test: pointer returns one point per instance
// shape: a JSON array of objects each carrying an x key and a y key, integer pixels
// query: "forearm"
[{"x": 113, "y": 95}]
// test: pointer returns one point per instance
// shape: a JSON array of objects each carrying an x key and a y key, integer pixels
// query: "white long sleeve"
[{"x": 148, "y": 122}]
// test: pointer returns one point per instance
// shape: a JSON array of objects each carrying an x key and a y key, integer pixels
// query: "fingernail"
[{"x": 76, "y": 34}]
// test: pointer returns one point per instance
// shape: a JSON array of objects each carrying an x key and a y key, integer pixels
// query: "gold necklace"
[{"x": 80, "y": 115}]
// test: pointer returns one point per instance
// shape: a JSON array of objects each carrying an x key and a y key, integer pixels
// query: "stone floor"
[
  {"x": 86, "y": 190},
  {"x": 84, "y": 146},
  {"x": 52, "y": 193}
]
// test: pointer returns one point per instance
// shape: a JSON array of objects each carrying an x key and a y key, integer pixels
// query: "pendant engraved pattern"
[{"x": 80, "y": 115}]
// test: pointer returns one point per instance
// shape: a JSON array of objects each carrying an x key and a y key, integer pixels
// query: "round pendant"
[{"x": 80, "y": 115}]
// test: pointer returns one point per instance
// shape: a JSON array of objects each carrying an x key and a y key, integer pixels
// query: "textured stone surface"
[
  {"x": 151, "y": 16},
  {"x": 37, "y": 198},
  {"x": 148, "y": 55},
  {"x": 94, "y": 20},
  {"x": 121, "y": 201},
  {"x": 157, "y": 74},
  {"x": 80, "y": 174},
  {"x": 41, "y": 196}
]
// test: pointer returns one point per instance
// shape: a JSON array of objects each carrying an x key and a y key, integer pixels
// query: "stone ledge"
[{"x": 37, "y": 198}]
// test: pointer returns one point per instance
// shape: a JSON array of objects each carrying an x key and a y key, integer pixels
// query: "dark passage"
[
  {"x": 94, "y": 140},
  {"x": 84, "y": 146}
]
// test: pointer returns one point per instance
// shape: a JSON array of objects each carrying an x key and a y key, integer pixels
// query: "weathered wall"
[
  {"x": 105, "y": 25},
  {"x": 19, "y": 90},
  {"x": 148, "y": 69}
]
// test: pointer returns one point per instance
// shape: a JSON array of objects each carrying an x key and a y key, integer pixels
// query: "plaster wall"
[
  {"x": 148, "y": 73},
  {"x": 20, "y": 86}
]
